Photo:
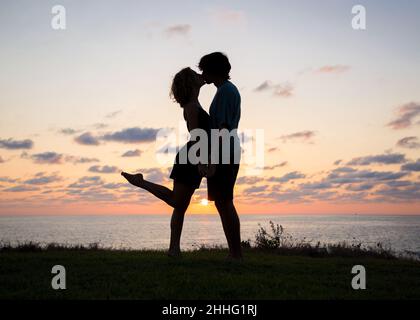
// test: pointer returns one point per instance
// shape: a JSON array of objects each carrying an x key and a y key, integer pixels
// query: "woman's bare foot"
[{"x": 134, "y": 179}]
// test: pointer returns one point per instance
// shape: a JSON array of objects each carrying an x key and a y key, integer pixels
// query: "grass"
[
  {"x": 275, "y": 267},
  {"x": 201, "y": 274}
]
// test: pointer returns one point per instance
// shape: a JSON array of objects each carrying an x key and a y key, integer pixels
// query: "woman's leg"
[
  {"x": 179, "y": 199},
  {"x": 159, "y": 191},
  {"x": 182, "y": 196}
]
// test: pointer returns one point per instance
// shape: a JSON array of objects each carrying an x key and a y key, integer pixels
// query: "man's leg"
[{"x": 231, "y": 226}]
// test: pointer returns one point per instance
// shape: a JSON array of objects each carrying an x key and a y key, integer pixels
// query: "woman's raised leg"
[
  {"x": 159, "y": 191},
  {"x": 179, "y": 198}
]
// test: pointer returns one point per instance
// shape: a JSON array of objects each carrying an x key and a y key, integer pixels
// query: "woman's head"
[{"x": 186, "y": 86}]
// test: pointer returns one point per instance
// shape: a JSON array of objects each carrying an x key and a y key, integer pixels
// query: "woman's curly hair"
[{"x": 183, "y": 85}]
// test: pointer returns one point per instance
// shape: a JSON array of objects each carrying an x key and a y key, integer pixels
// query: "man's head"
[{"x": 215, "y": 67}]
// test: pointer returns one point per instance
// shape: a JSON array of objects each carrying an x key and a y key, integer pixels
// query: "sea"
[{"x": 399, "y": 233}]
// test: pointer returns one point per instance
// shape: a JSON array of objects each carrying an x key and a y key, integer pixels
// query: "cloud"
[
  {"x": 86, "y": 182},
  {"x": 132, "y": 153},
  {"x": 360, "y": 187},
  {"x": 344, "y": 169},
  {"x": 255, "y": 189},
  {"x": 128, "y": 135},
  {"x": 391, "y": 158},
  {"x": 266, "y": 85},
  {"x": 114, "y": 185},
  {"x": 287, "y": 177},
  {"x": 316, "y": 185},
  {"x": 132, "y": 135},
  {"x": 94, "y": 195},
  {"x": 103, "y": 169},
  {"x": 272, "y": 149},
  {"x": 284, "y": 90},
  {"x": 412, "y": 166},
  {"x": 349, "y": 197},
  {"x": 409, "y": 143},
  {"x": 301, "y": 135},
  {"x": 337, "y": 162},
  {"x": 68, "y": 131},
  {"x": 405, "y": 116},
  {"x": 12, "y": 144},
  {"x": 1, "y": 160},
  {"x": 21, "y": 189},
  {"x": 347, "y": 175},
  {"x": 324, "y": 196},
  {"x": 290, "y": 195},
  {"x": 332, "y": 69},
  {"x": 95, "y": 179},
  {"x": 7, "y": 179},
  {"x": 308, "y": 192},
  {"x": 113, "y": 114},
  {"x": 87, "y": 139},
  {"x": 248, "y": 180},
  {"x": 411, "y": 193},
  {"x": 42, "y": 179},
  {"x": 229, "y": 16},
  {"x": 157, "y": 175},
  {"x": 100, "y": 125},
  {"x": 399, "y": 183},
  {"x": 359, "y": 183},
  {"x": 279, "y": 165},
  {"x": 48, "y": 157},
  {"x": 178, "y": 30},
  {"x": 75, "y": 160},
  {"x": 51, "y": 157}
]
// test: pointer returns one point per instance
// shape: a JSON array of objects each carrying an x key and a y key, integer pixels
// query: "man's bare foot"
[
  {"x": 134, "y": 179},
  {"x": 236, "y": 258},
  {"x": 174, "y": 253}
]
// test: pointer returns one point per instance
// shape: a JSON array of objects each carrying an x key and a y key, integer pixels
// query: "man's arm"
[{"x": 226, "y": 109}]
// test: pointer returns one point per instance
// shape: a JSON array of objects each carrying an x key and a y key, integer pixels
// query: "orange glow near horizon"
[{"x": 319, "y": 208}]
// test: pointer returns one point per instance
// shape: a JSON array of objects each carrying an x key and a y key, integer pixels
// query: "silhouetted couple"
[{"x": 225, "y": 113}]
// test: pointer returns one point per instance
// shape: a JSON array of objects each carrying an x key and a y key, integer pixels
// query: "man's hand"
[{"x": 202, "y": 169}]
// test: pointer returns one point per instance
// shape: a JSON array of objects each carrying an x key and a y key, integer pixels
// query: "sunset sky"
[{"x": 340, "y": 108}]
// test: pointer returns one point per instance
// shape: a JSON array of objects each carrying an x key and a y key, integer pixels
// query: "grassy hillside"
[{"x": 202, "y": 274}]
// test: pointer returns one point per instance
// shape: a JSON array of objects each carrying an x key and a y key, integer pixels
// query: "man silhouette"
[{"x": 225, "y": 112}]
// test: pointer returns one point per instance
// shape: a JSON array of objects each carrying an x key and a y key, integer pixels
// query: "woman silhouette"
[{"x": 187, "y": 177}]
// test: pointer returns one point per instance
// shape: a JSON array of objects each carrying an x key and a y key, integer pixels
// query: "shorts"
[
  {"x": 187, "y": 173},
  {"x": 220, "y": 185}
]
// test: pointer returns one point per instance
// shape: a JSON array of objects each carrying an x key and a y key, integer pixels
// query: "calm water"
[{"x": 152, "y": 231}]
